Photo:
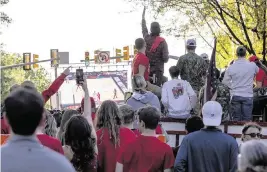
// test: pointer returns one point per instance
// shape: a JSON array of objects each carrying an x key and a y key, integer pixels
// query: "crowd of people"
[{"x": 130, "y": 138}]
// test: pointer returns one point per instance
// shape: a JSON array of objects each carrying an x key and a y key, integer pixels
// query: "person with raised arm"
[
  {"x": 80, "y": 138},
  {"x": 54, "y": 87},
  {"x": 156, "y": 50}
]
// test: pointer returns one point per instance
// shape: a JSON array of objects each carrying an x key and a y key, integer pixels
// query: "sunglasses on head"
[{"x": 253, "y": 135}]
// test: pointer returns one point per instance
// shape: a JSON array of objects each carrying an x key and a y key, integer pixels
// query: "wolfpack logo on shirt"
[{"x": 177, "y": 91}]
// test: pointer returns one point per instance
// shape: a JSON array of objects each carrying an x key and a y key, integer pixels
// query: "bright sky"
[{"x": 41, "y": 25}]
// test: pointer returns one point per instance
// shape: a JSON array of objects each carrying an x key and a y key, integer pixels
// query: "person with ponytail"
[{"x": 110, "y": 135}]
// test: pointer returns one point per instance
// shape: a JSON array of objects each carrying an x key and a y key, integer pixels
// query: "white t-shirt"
[
  {"x": 239, "y": 77},
  {"x": 175, "y": 97}
]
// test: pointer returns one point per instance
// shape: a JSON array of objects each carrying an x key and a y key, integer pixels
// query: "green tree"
[
  {"x": 233, "y": 22},
  {"x": 17, "y": 75},
  {"x": 4, "y": 19}
]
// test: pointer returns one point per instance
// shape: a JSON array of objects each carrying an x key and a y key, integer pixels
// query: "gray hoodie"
[{"x": 140, "y": 100}]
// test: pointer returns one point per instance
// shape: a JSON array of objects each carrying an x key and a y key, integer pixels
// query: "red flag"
[{"x": 210, "y": 88}]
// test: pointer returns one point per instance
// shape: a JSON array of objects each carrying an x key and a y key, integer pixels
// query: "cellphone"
[{"x": 79, "y": 76}]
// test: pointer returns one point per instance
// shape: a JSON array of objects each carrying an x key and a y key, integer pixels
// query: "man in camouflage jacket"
[
  {"x": 193, "y": 68},
  {"x": 222, "y": 95},
  {"x": 156, "y": 50}
]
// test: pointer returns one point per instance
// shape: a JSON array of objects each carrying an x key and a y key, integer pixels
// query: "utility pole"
[
  {"x": 24, "y": 64},
  {"x": 57, "y": 95}
]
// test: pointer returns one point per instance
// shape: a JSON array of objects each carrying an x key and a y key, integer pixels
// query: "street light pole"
[{"x": 24, "y": 64}]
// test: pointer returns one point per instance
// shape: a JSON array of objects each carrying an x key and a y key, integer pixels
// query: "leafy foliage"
[
  {"x": 233, "y": 22},
  {"x": 17, "y": 75},
  {"x": 5, "y": 19}
]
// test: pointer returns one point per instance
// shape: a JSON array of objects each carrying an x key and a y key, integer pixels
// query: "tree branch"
[
  {"x": 219, "y": 12},
  {"x": 244, "y": 27},
  {"x": 199, "y": 33},
  {"x": 264, "y": 51},
  {"x": 213, "y": 33}
]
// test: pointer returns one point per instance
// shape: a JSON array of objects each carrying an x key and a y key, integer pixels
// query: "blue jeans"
[{"x": 241, "y": 108}]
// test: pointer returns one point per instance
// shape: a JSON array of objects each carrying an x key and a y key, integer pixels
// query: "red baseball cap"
[{"x": 253, "y": 58}]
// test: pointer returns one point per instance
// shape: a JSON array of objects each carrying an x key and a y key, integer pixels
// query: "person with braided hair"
[
  {"x": 110, "y": 135},
  {"x": 50, "y": 125}
]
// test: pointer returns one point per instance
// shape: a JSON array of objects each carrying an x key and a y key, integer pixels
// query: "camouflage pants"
[{"x": 197, "y": 109}]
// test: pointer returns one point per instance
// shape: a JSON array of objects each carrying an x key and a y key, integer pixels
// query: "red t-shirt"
[
  {"x": 46, "y": 140},
  {"x": 146, "y": 153},
  {"x": 4, "y": 127},
  {"x": 107, "y": 153},
  {"x": 141, "y": 59},
  {"x": 51, "y": 142},
  {"x": 262, "y": 77},
  {"x": 136, "y": 132},
  {"x": 158, "y": 131}
]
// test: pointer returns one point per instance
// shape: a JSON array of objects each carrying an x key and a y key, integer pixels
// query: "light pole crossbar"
[{"x": 24, "y": 64}]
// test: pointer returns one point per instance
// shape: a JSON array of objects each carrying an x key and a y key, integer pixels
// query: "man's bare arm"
[{"x": 141, "y": 70}]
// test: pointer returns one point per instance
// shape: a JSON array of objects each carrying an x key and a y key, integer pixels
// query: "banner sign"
[{"x": 105, "y": 74}]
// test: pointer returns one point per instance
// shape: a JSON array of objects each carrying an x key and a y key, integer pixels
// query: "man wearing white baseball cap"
[
  {"x": 209, "y": 149},
  {"x": 212, "y": 114}
]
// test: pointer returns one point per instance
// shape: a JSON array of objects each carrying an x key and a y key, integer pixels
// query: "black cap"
[{"x": 241, "y": 51}]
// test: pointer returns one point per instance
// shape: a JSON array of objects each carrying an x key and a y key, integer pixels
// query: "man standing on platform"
[
  {"x": 192, "y": 68},
  {"x": 140, "y": 66},
  {"x": 156, "y": 50},
  {"x": 239, "y": 78}
]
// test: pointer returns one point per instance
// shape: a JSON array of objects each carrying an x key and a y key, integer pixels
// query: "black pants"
[
  {"x": 259, "y": 106},
  {"x": 158, "y": 77}
]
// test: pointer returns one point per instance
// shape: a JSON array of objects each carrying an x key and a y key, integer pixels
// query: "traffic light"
[
  {"x": 54, "y": 55},
  {"x": 26, "y": 59},
  {"x": 87, "y": 58},
  {"x": 126, "y": 53},
  {"x": 96, "y": 55},
  {"x": 118, "y": 54},
  {"x": 35, "y": 59},
  {"x": 135, "y": 50}
]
